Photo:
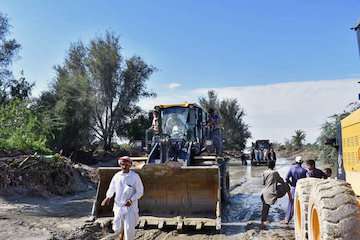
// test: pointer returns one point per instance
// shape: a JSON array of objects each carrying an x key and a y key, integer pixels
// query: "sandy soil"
[
  {"x": 65, "y": 217},
  {"x": 43, "y": 218}
]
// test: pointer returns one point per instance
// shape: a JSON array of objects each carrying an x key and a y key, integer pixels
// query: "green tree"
[
  {"x": 236, "y": 131},
  {"x": 327, "y": 139},
  {"x": 20, "y": 88},
  {"x": 95, "y": 93},
  {"x": 118, "y": 85},
  {"x": 74, "y": 109},
  {"x": 328, "y": 153},
  {"x": 44, "y": 109},
  {"x": 8, "y": 50},
  {"x": 67, "y": 106},
  {"x": 20, "y": 129},
  {"x": 298, "y": 139},
  {"x": 136, "y": 126}
]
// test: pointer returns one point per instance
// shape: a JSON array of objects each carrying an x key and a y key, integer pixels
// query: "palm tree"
[{"x": 299, "y": 138}]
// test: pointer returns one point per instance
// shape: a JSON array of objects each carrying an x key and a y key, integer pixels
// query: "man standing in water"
[
  {"x": 295, "y": 173},
  {"x": 269, "y": 195},
  {"x": 128, "y": 189}
]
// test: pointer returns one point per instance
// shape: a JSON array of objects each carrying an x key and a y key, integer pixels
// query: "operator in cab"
[{"x": 155, "y": 125}]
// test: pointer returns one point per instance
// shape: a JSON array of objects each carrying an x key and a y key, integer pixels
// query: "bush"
[
  {"x": 20, "y": 129},
  {"x": 328, "y": 154}
]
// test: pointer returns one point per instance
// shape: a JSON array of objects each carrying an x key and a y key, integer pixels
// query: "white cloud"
[
  {"x": 275, "y": 111},
  {"x": 173, "y": 85}
]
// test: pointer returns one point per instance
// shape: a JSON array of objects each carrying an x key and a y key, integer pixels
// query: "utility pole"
[{"x": 357, "y": 30}]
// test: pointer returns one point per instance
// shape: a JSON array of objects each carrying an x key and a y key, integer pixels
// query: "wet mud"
[
  {"x": 66, "y": 218},
  {"x": 241, "y": 213},
  {"x": 27, "y": 217}
]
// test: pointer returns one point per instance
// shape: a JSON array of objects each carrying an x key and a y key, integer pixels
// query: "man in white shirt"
[{"x": 128, "y": 188}]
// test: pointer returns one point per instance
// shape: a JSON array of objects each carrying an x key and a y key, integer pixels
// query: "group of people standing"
[
  {"x": 276, "y": 187},
  {"x": 263, "y": 154}
]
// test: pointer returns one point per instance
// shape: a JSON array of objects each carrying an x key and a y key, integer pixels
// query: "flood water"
[
  {"x": 243, "y": 210},
  {"x": 241, "y": 213}
]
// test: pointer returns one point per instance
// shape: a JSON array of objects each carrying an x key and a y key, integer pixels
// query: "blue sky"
[{"x": 197, "y": 44}]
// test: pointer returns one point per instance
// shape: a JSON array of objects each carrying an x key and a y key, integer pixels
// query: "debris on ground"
[
  {"x": 66, "y": 217},
  {"x": 89, "y": 231},
  {"x": 43, "y": 175}
]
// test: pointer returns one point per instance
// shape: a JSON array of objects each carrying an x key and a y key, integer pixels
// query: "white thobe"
[{"x": 125, "y": 186}]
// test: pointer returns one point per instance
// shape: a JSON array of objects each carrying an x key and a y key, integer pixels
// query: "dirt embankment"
[
  {"x": 305, "y": 153},
  {"x": 42, "y": 175},
  {"x": 45, "y": 197}
]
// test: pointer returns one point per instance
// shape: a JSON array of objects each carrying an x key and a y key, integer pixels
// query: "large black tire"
[
  {"x": 301, "y": 201},
  {"x": 334, "y": 212}
]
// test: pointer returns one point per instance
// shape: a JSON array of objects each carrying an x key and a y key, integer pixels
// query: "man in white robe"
[{"x": 128, "y": 189}]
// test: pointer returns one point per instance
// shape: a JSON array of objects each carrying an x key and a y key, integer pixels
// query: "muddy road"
[
  {"x": 65, "y": 218},
  {"x": 36, "y": 218},
  {"x": 241, "y": 214}
]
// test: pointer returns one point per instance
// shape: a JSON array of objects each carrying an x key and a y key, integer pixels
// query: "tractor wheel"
[
  {"x": 334, "y": 212},
  {"x": 301, "y": 201}
]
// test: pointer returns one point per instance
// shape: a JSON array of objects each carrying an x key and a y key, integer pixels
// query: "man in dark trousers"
[
  {"x": 272, "y": 154},
  {"x": 243, "y": 159},
  {"x": 295, "y": 173},
  {"x": 269, "y": 195}
]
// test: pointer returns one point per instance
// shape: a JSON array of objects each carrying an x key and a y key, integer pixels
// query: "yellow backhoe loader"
[{"x": 184, "y": 182}]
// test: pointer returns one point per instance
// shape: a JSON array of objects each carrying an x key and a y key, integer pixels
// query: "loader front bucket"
[{"x": 172, "y": 195}]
